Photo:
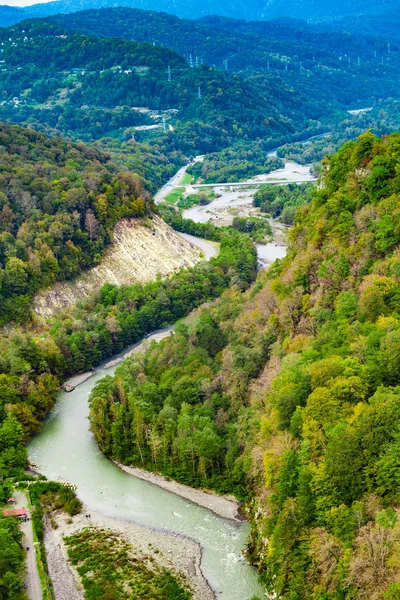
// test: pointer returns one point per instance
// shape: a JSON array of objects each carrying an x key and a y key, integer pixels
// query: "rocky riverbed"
[
  {"x": 173, "y": 552},
  {"x": 228, "y": 508}
]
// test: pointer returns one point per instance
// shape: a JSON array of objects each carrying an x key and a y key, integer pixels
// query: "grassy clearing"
[
  {"x": 202, "y": 198},
  {"x": 175, "y": 195},
  {"x": 109, "y": 569},
  {"x": 186, "y": 179}
]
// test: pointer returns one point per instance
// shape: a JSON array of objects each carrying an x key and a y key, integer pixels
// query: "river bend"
[{"x": 66, "y": 450}]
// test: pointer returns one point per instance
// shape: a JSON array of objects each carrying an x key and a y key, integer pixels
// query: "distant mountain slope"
[
  {"x": 385, "y": 25},
  {"x": 323, "y": 9},
  {"x": 322, "y": 67},
  {"x": 10, "y": 15},
  {"x": 252, "y": 9},
  {"x": 73, "y": 75},
  {"x": 183, "y": 8},
  {"x": 88, "y": 87},
  {"x": 218, "y": 38}
]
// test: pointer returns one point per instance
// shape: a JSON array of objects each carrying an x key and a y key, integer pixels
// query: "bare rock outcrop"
[{"x": 139, "y": 252}]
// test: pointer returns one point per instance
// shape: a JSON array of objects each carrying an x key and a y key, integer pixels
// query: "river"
[
  {"x": 238, "y": 202},
  {"x": 66, "y": 450}
]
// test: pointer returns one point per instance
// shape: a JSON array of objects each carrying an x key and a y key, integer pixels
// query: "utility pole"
[
  {"x": 199, "y": 96},
  {"x": 164, "y": 125},
  {"x": 226, "y": 64},
  {"x": 191, "y": 61},
  {"x": 169, "y": 73}
]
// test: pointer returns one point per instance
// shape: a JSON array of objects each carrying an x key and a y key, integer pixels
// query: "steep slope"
[
  {"x": 326, "y": 452},
  {"x": 59, "y": 204},
  {"x": 140, "y": 252},
  {"x": 290, "y": 394}
]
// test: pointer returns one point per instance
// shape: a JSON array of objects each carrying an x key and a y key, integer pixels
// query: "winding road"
[{"x": 209, "y": 249}]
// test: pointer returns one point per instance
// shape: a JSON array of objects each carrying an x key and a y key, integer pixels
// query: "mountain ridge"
[{"x": 258, "y": 10}]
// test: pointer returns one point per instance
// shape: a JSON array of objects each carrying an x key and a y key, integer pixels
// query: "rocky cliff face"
[{"x": 140, "y": 251}]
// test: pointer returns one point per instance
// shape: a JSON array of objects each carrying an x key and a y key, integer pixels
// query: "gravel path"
[
  {"x": 65, "y": 580},
  {"x": 32, "y": 579}
]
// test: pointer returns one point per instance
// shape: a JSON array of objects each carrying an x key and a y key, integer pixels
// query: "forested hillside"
[
  {"x": 289, "y": 394},
  {"x": 343, "y": 68},
  {"x": 304, "y": 78},
  {"x": 152, "y": 107},
  {"x": 59, "y": 204},
  {"x": 386, "y": 24},
  {"x": 88, "y": 87},
  {"x": 285, "y": 37},
  {"x": 254, "y": 9}
]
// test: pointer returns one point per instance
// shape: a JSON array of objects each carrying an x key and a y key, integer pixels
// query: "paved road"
[
  {"x": 292, "y": 173},
  {"x": 208, "y": 248},
  {"x": 174, "y": 181},
  {"x": 32, "y": 580}
]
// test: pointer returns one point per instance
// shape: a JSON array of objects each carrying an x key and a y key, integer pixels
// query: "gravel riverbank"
[
  {"x": 223, "y": 507},
  {"x": 174, "y": 552}
]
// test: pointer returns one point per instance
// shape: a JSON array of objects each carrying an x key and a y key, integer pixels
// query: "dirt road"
[{"x": 32, "y": 580}]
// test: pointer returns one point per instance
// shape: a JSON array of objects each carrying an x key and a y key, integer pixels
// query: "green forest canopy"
[
  {"x": 59, "y": 203},
  {"x": 289, "y": 394}
]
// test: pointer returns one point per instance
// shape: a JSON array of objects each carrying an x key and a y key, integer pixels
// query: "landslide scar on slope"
[{"x": 138, "y": 254}]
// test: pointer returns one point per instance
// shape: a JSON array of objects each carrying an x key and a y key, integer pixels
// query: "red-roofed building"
[
  {"x": 11, "y": 501},
  {"x": 16, "y": 512}
]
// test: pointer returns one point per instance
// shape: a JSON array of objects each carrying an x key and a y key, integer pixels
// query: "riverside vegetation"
[
  {"x": 59, "y": 203},
  {"x": 288, "y": 394},
  {"x": 284, "y": 394},
  {"x": 109, "y": 569},
  {"x": 51, "y": 189}
]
